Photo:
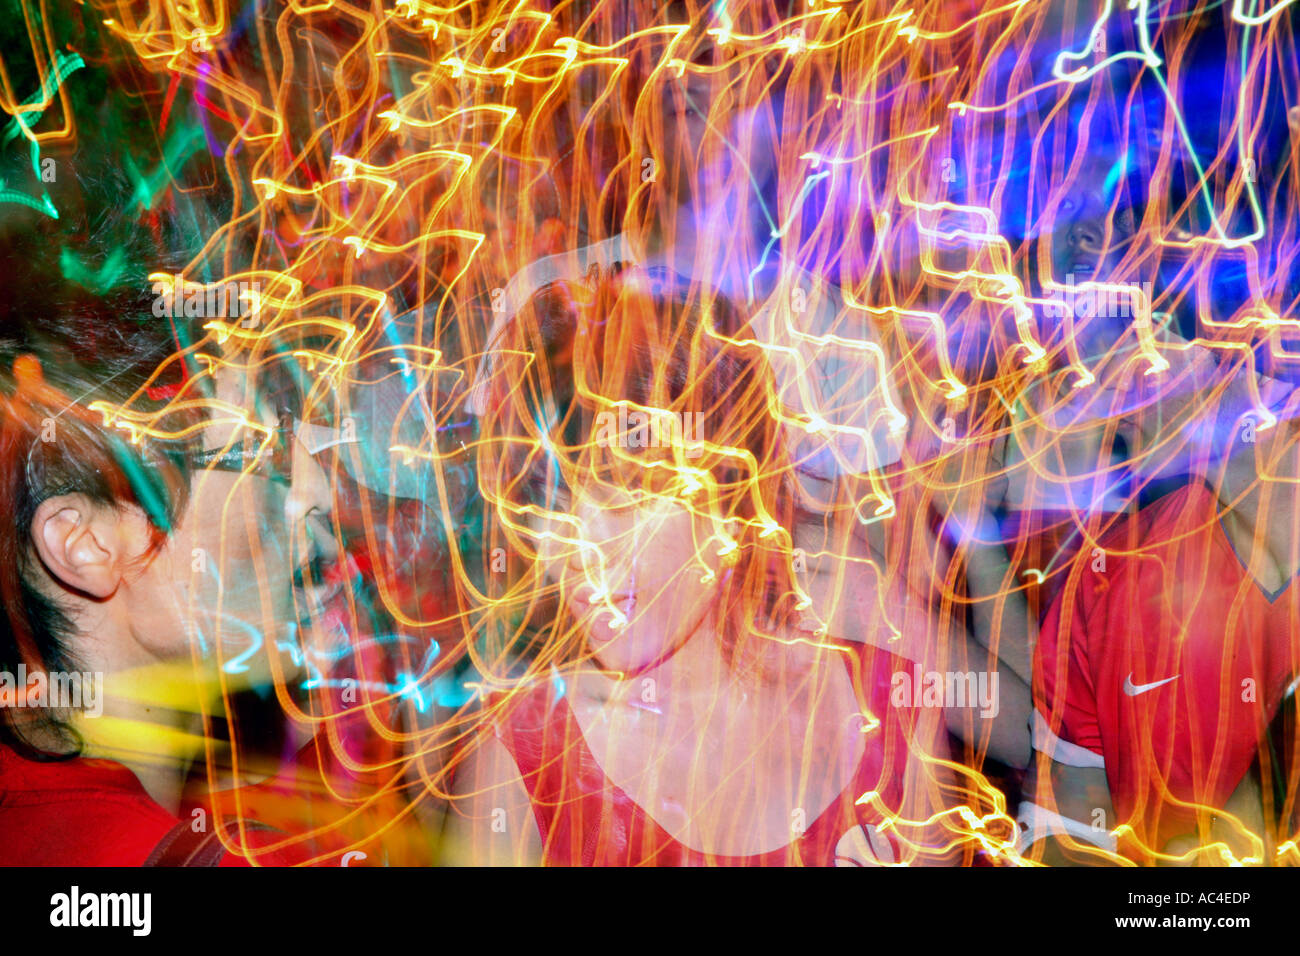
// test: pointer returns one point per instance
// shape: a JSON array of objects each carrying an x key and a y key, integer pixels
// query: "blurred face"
[
  {"x": 637, "y": 569},
  {"x": 245, "y": 546},
  {"x": 1096, "y": 224},
  {"x": 1089, "y": 240},
  {"x": 685, "y": 128},
  {"x": 699, "y": 133}
]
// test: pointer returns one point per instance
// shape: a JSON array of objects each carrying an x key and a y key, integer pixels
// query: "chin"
[{"x": 602, "y": 634}]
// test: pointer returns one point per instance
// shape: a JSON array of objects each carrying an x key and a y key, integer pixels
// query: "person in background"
[
  {"x": 1166, "y": 657},
  {"x": 676, "y": 712}
]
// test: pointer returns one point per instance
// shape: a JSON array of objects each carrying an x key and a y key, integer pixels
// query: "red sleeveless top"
[{"x": 586, "y": 820}]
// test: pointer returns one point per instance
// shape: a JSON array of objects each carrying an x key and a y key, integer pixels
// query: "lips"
[
  {"x": 323, "y": 597},
  {"x": 585, "y": 597}
]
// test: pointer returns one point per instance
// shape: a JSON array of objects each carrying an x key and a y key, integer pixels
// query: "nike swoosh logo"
[{"x": 1134, "y": 689}]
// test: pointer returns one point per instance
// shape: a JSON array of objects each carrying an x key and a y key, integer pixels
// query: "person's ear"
[{"x": 80, "y": 543}]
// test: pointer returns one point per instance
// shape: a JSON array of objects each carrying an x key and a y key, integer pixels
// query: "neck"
[
  {"x": 673, "y": 248},
  {"x": 699, "y": 249},
  {"x": 1258, "y": 523},
  {"x": 691, "y": 685},
  {"x": 148, "y": 715}
]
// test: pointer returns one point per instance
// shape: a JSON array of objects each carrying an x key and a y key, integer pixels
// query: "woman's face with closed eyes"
[{"x": 636, "y": 565}]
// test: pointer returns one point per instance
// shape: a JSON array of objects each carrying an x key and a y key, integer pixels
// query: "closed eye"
[{"x": 542, "y": 487}]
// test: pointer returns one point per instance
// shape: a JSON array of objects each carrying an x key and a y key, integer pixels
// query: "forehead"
[
  {"x": 1093, "y": 170},
  {"x": 245, "y": 387},
  {"x": 270, "y": 377},
  {"x": 668, "y": 56}
]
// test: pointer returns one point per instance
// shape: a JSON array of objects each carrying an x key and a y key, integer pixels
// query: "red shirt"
[
  {"x": 88, "y": 812},
  {"x": 585, "y": 819},
  {"x": 78, "y": 812},
  {"x": 1168, "y": 664}
]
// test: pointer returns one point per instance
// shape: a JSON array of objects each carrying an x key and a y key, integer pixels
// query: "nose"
[
  {"x": 591, "y": 555},
  {"x": 309, "y": 504},
  {"x": 1086, "y": 234}
]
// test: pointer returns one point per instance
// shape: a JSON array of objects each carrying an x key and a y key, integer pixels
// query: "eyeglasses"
[{"x": 269, "y": 457}]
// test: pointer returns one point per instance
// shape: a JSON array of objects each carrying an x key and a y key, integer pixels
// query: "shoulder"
[
  {"x": 531, "y": 702},
  {"x": 872, "y": 663},
  {"x": 873, "y": 671},
  {"x": 1154, "y": 543},
  {"x": 76, "y": 813},
  {"x": 114, "y": 828}
]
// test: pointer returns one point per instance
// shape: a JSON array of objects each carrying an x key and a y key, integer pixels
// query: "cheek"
[
  {"x": 550, "y": 555},
  {"x": 672, "y": 561},
  {"x": 234, "y": 544},
  {"x": 242, "y": 519},
  {"x": 1062, "y": 249}
]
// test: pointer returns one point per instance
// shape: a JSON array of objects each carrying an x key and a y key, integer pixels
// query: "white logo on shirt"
[{"x": 1134, "y": 689}]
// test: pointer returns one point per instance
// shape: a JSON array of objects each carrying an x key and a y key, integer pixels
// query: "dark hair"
[
  {"x": 77, "y": 326},
  {"x": 577, "y": 351},
  {"x": 51, "y": 445}
]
